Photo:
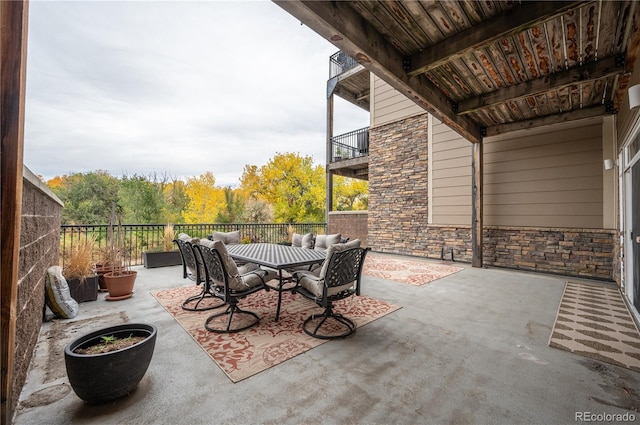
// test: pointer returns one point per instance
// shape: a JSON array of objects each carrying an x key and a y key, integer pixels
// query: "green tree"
[
  {"x": 87, "y": 196},
  {"x": 175, "y": 201},
  {"x": 141, "y": 200},
  {"x": 233, "y": 206}
]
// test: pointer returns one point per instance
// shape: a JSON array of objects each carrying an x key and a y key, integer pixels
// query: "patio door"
[{"x": 635, "y": 232}]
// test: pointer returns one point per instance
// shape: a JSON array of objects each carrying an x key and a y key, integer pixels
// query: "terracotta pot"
[
  {"x": 120, "y": 284},
  {"x": 100, "y": 271},
  {"x": 97, "y": 378}
]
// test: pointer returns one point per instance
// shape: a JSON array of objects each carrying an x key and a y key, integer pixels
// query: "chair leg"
[
  {"x": 206, "y": 293},
  {"x": 232, "y": 310},
  {"x": 348, "y": 324}
]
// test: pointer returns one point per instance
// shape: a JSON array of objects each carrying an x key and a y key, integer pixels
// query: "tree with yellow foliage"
[{"x": 205, "y": 199}]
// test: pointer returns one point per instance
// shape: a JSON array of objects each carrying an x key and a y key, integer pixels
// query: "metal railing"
[
  {"x": 340, "y": 62},
  {"x": 144, "y": 237},
  {"x": 350, "y": 145}
]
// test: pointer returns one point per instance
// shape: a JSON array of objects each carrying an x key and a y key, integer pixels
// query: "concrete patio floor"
[{"x": 468, "y": 348}]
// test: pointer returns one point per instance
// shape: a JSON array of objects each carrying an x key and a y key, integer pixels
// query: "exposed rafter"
[
  {"x": 338, "y": 23},
  {"x": 513, "y": 22},
  {"x": 589, "y": 72},
  {"x": 578, "y": 114}
]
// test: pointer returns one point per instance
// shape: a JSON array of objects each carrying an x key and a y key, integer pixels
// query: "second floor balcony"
[{"x": 350, "y": 154}]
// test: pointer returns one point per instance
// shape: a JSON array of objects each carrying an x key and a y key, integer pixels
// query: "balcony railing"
[
  {"x": 350, "y": 145},
  {"x": 143, "y": 237},
  {"x": 340, "y": 62}
]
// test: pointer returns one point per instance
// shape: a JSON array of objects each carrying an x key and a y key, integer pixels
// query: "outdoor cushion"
[
  {"x": 227, "y": 237},
  {"x": 58, "y": 296},
  {"x": 323, "y": 242},
  {"x": 243, "y": 277},
  {"x": 302, "y": 241},
  {"x": 184, "y": 237}
]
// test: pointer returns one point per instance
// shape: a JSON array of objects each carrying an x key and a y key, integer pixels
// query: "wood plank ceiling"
[{"x": 488, "y": 67}]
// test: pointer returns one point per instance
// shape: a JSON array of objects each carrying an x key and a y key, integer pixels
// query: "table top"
[{"x": 275, "y": 255}]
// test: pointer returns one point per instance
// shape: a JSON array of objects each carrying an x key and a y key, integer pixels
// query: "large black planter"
[
  {"x": 161, "y": 259},
  {"x": 97, "y": 378}
]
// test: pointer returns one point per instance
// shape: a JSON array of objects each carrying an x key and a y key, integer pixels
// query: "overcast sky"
[{"x": 174, "y": 87}]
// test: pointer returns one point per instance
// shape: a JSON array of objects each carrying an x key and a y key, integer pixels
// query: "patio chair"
[
  {"x": 192, "y": 268},
  {"x": 338, "y": 278},
  {"x": 232, "y": 283}
]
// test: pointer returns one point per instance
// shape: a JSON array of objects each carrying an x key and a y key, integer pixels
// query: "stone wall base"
[{"x": 351, "y": 224}]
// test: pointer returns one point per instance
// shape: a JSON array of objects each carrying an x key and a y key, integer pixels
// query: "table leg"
[{"x": 280, "y": 285}]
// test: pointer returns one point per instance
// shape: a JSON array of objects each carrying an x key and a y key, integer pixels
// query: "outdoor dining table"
[{"x": 278, "y": 257}]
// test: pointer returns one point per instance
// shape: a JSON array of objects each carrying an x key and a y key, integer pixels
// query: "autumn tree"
[
  {"x": 291, "y": 184},
  {"x": 350, "y": 194},
  {"x": 205, "y": 199}
]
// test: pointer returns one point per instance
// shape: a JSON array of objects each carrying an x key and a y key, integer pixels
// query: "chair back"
[
  {"x": 344, "y": 267},
  {"x": 214, "y": 269},
  {"x": 190, "y": 267}
]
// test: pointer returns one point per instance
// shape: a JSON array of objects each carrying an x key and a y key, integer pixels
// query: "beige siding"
[
  {"x": 626, "y": 118},
  {"x": 451, "y": 177},
  {"x": 389, "y": 105},
  {"x": 551, "y": 179}
]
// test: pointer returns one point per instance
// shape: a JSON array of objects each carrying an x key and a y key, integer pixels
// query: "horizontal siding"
[
  {"x": 451, "y": 177},
  {"x": 389, "y": 105},
  {"x": 553, "y": 179}
]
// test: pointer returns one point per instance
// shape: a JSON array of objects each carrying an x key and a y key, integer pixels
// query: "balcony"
[
  {"x": 348, "y": 80},
  {"x": 350, "y": 154}
]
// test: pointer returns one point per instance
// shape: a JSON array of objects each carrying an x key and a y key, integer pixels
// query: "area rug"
[
  {"x": 594, "y": 321},
  {"x": 243, "y": 354},
  {"x": 406, "y": 271}
]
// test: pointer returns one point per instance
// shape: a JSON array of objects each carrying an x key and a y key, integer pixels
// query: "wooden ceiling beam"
[
  {"x": 342, "y": 26},
  {"x": 589, "y": 72},
  {"x": 578, "y": 114},
  {"x": 507, "y": 24}
]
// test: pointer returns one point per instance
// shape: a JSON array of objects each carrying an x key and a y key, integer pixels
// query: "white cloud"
[{"x": 176, "y": 87}]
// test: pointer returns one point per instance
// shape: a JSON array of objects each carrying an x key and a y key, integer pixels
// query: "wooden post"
[
  {"x": 13, "y": 61},
  {"x": 329, "y": 178},
  {"x": 476, "y": 199}
]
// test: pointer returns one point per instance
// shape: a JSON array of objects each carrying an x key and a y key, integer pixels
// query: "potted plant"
[
  {"x": 121, "y": 278},
  {"x": 109, "y": 363},
  {"x": 163, "y": 256},
  {"x": 79, "y": 271}
]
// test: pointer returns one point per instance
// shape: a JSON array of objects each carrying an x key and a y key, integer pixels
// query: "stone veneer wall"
[
  {"x": 351, "y": 224},
  {"x": 39, "y": 249},
  {"x": 589, "y": 253},
  {"x": 398, "y": 198}
]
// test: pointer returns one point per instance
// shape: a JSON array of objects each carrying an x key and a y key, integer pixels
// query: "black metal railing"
[
  {"x": 350, "y": 145},
  {"x": 144, "y": 237},
  {"x": 340, "y": 62}
]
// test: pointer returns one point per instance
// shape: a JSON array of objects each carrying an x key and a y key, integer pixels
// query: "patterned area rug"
[
  {"x": 406, "y": 271},
  {"x": 593, "y": 321},
  {"x": 243, "y": 354}
]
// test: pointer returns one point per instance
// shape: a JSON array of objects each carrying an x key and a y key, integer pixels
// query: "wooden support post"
[
  {"x": 476, "y": 199},
  {"x": 13, "y": 61},
  {"x": 329, "y": 178}
]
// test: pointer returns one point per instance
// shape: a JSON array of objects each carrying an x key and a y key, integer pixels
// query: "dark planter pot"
[
  {"x": 83, "y": 290},
  {"x": 161, "y": 259},
  {"x": 98, "y": 378}
]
